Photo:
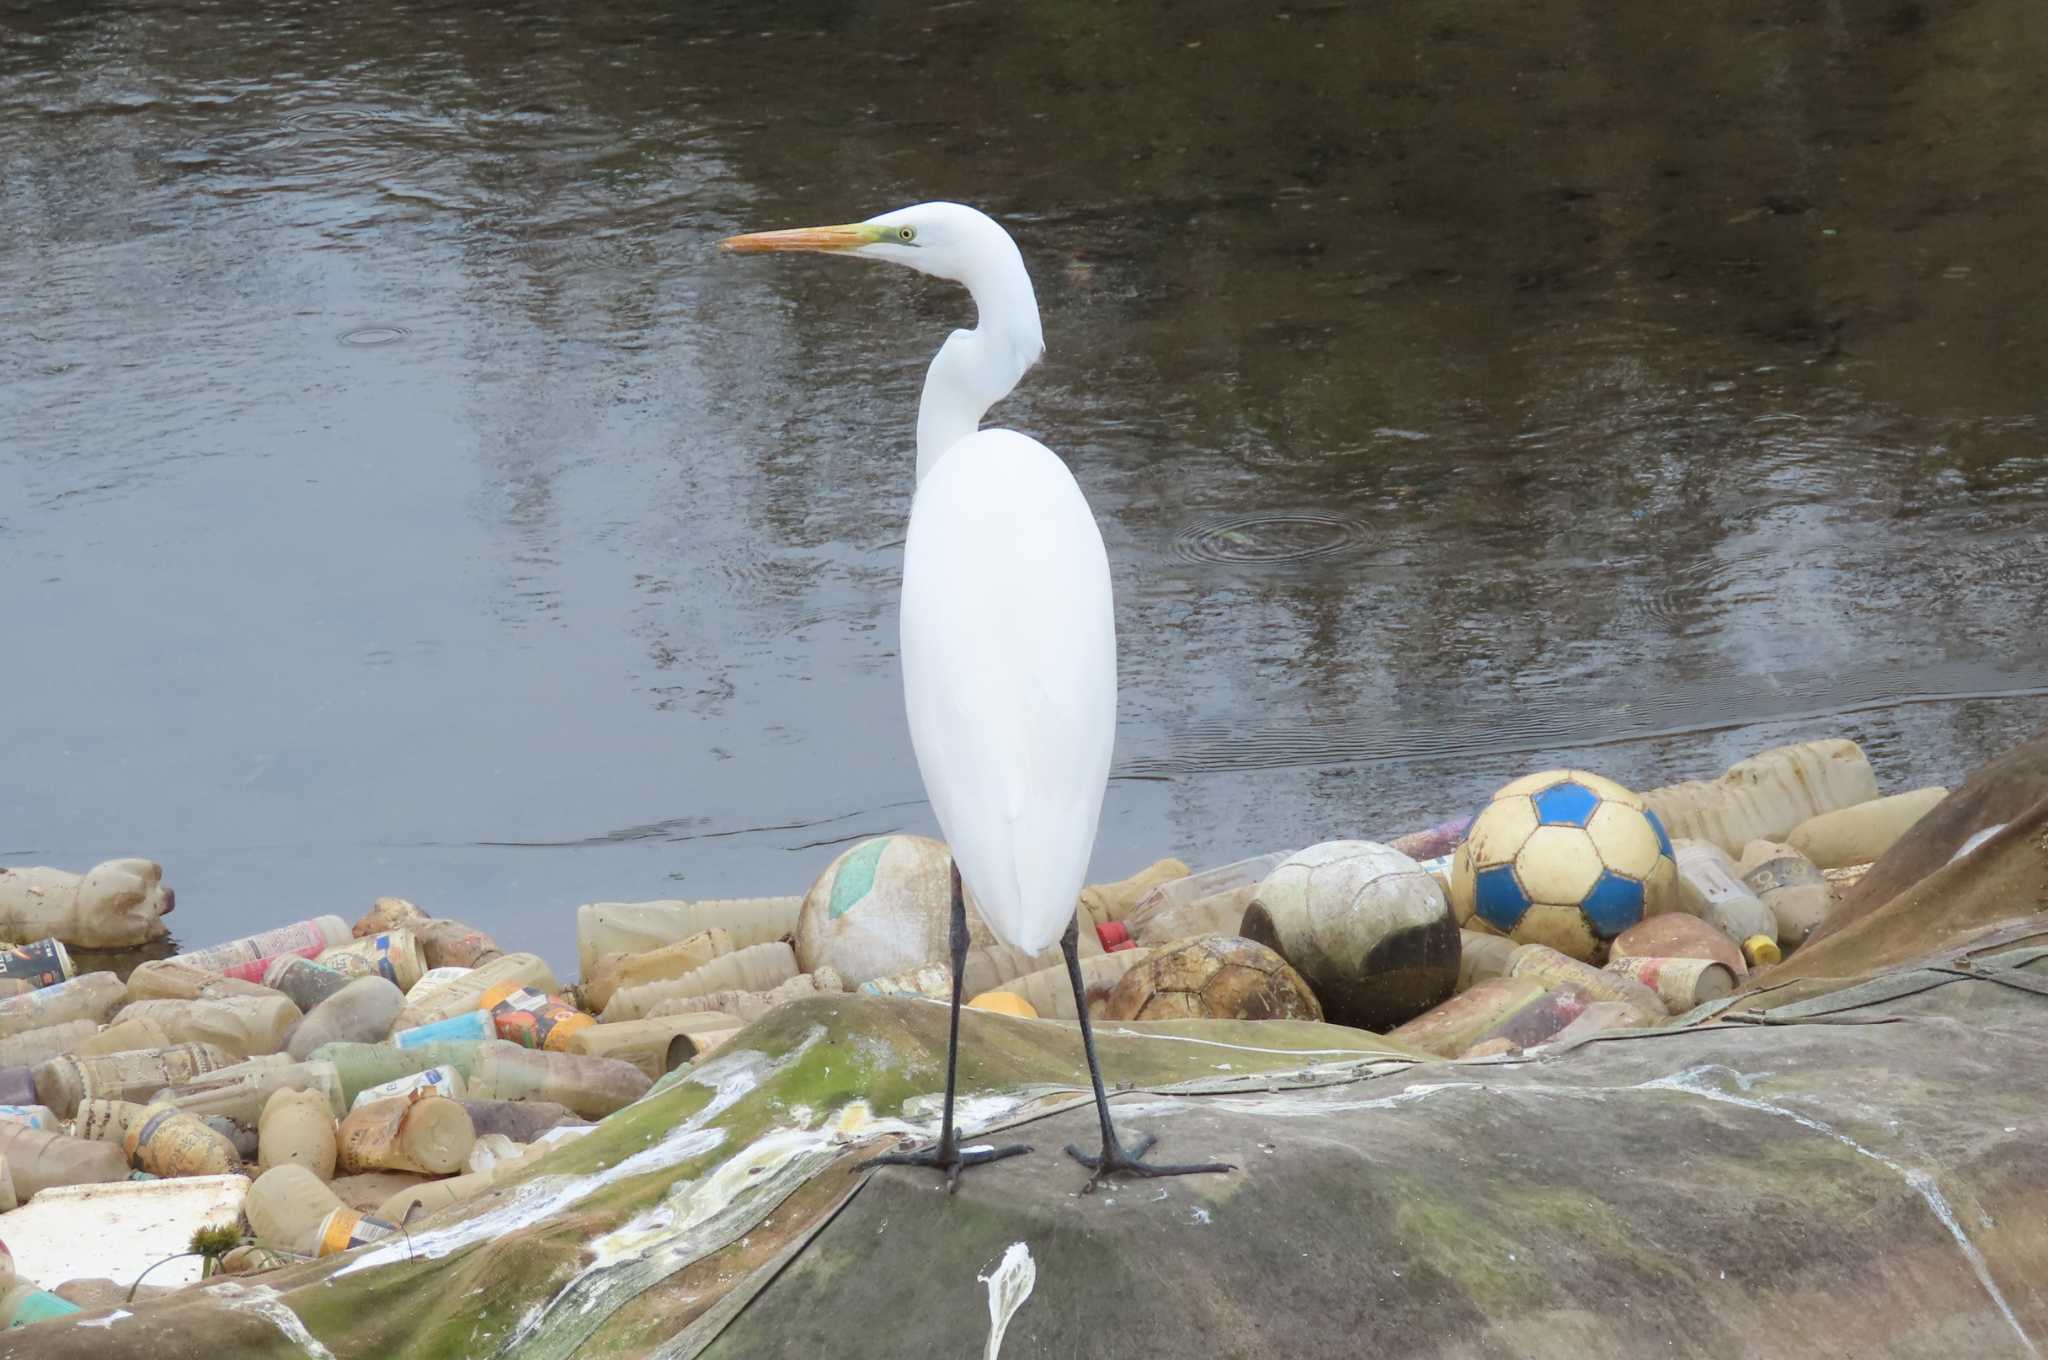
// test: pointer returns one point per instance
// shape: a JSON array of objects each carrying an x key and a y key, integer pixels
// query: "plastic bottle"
[
  {"x": 1680, "y": 983},
  {"x": 686, "y": 955},
  {"x": 1454, "y": 1026},
  {"x": 304, "y": 981},
  {"x": 393, "y": 955},
  {"x": 1677, "y": 935},
  {"x": 440, "y": 1081},
  {"x": 1050, "y": 991},
  {"x": 1790, "y": 885},
  {"x": 1556, "y": 969},
  {"x": 241, "y": 1025},
  {"x": 635, "y": 927},
  {"x": 1765, "y": 796},
  {"x": 466, "y": 993},
  {"x": 43, "y": 963},
  {"x": 297, "y": 1128},
  {"x": 755, "y": 968},
  {"x": 254, "y": 969},
  {"x": 321, "y": 930},
  {"x": 520, "y": 1120},
  {"x": 1540, "y": 1021},
  {"x": 243, "y": 1092},
  {"x": 425, "y": 1199},
  {"x": 38, "y": 1159},
  {"x": 171, "y": 980},
  {"x": 289, "y": 1207},
  {"x": 1210, "y": 901},
  {"x": 1860, "y": 834},
  {"x": 527, "y": 1018},
  {"x": 468, "y": 1025},
  {"x": 361, "y": 1012},
  {"x": 653, "y": 1046},
  {"x": 364, "y": 1065},
  {"x": 388, "y": 913},
  {"x": 123, "y": 1036},
  {"x": 592, "y": 1087},
  {"x": 1482, "y": 956},
  {"x": 446, "y": 943},
  {"x": 8, "y": 1200},
  {"x": 35, "y": 1116},
  {"x": 62, "y": 1082},
  {"x": 25, "y": 1304},
  {"x": 745, "y": 1007},
  {"x": 119, "y": 904},
  {"x": 1712, "y": 892},
  {"x": 105, "y": 1121},
  {"x": 1104, "y": 902},
  {"x": 166, "y": 1141},
  {"x": 92, "y": 996},
  {"x": 430, "y": 1134},
  {"x": 36, "y": 1045}
]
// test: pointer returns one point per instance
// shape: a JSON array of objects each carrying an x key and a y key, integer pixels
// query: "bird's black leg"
[
  {"x": 1113, "y": 1160},
  {"x": 946, "y": 1154}
]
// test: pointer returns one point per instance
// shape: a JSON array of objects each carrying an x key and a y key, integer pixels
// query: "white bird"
[{"x": 1008, "y": 631}]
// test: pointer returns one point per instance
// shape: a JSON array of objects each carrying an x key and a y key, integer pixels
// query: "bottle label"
[
  {"x": 41, "y": 964},
  {"x": 345, "y": 1228},
  {"x": 1787, "y": 871},
  {"x": 535, "y": 1020}
]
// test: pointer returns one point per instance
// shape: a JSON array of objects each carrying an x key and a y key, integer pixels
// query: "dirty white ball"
[
  {"x": 882, "y": 908},
  {"x": 1368, "y": 927}
]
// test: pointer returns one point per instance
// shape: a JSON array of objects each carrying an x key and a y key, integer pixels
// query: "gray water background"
[{"x": 399, "y": 495}]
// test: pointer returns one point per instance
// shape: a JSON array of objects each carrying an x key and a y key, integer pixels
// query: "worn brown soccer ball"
[{"x": 1212, "y": 977}]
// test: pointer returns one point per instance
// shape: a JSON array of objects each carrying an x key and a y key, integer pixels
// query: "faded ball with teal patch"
[{"x": 882, "y": 908}]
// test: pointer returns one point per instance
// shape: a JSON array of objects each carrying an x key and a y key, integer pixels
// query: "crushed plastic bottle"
[{"x": 1208, "y": 902}]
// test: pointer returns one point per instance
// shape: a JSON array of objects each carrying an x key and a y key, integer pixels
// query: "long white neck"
[{"x": 976, "y": 369}]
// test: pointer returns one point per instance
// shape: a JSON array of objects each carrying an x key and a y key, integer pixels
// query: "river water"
[{"x": 399, "y": 494}]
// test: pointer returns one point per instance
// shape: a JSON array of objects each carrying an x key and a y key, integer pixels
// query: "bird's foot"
[
  {"x": 1113, "y": 1160},
  {"x": 951, "y": 1160}
]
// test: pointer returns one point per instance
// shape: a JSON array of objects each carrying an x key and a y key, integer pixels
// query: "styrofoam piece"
[{"x": 118, "y": 1230}]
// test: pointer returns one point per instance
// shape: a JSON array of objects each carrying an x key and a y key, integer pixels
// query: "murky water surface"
[{"x": 399, "y": 495}]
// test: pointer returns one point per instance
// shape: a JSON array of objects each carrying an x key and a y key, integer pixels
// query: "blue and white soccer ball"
[{"x": 1563, "y": 858}]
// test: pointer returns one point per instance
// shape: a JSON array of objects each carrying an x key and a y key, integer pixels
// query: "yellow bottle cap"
[
  {"x": 1761, "y": 950},
  {"x": 1005, "y": 1003}
]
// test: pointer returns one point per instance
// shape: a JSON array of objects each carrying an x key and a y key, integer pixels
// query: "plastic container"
[
  {"x": 1790, "y": 885},
  {"x": 366, "y": 1191},
  {"x": 1556, "y": 969},
  {"x": 304, "y": 981},
  {"x": 525, "y": 1017},
  {"x": 360, "y": 1013},
  {"x": 429, "y": 1134},
  {"x": 38, "y": 1159},
  {"x": 1712, "y": 892},
  {"x": 520, "y": 1120},
  {"x": 255, "y": 969},
  {"x": 592, "y": 1087},
  {"x": 38, "y": 1045},
  {"x": 321, "y": 930},
  {"x": 243, "y": 1092},
  {"x": 1208, "y": 902},
  {"x": 424, "y": 1199},
  {"x": 1860, "y": 834},
  {"x": 1050, "y": 992},
  {"x": 105, "y": 1121},
  {"x": 745, "y": 1007},
  {"x": 1454, "y": 1026},
  {"x": 1676, "y": 935},
  {"x": 654, "y": 1046},
  {"x": 24, "y": 1305},
  {"x": 753, "y": 969},
  {"x": 636, "y": 927},
  {"x": 466, "y": 993},
  {"x": 446, "y": 943},
  {"x": 362, "y": 1066},
  {"x": 297, "y": 1128},
  {"x": 439, "y": 1081},
  {"x": 166, "y": 1141},
  {"x": 1680, "y": 983},
  {"x": 43, "y": 963},
  {"x": 123, "y": 1036},
  {"x": 9, "y": 1200},
  {"x": 35, "y": 1116},
  {"x": 1598, "y": 1018},
  {"x": 1529, "y": 1025},
  {"x": 244, "y": 1026},
  {"x": 1765, "y": 796},
  {"x": 62, "y": 1082},
  {"x": 1482, "y": 956},
  {"x": 90, "y": 997},
  {"x": 389, "y": 913},
  {"x": 1102, "y": 903},
  {"x": 468, "y": 1025},
  {"x": 170, "y": 980},
  {"x": 119, "y": 904},
  {"x": 289, "y": 1207},
  {"x": 393, "y": 955},
  {"x": 614, "y": 971}
]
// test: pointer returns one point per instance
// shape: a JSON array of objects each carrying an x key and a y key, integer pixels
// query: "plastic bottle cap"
[
  {"x": 1113, "y": 936},
  {"x": 1761, "y": 950}
]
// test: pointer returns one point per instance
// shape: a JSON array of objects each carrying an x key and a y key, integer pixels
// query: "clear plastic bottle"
[
  {"x": 1713, "y": 892},
  {"x": 389, "y": 913},
  {"x": 472, "y": 1025},
  {"x": 1454, "y": 1026},
  {"x": 1790, "y": 884},
  {"x": 466, "y": 993},
  {"x": 289, "y": 1207},
  {"x": 362, "y": 1066},
  {"x": 654, "y": 1046},
  {"x": 446, "y": 943},
  {"x": 242, "y": 1092},
  {"x": 1104, "y": 902},
  {"x": 362, "y": 1012},
  {"x": 321, "y": 930},
  {"x": 24, "y": 1304},
  {"x": 35, "y": 1116},
  {"x": 1680, "y": 983},
  {"x": 1861, "y": 834},
  {"x": 39, "y": 1045},
  {"x": 392, "y": 954},
  {"x": 1765, "y": 796},
  {"x": 686, "y": 955},
  {"x": 62, "y": 1082},
  {"x": 429, "y": 1134},
  {"x": 304, "y": 981},
  {"x": 439, "y": 1081},
  {"x": 592, "y": 1087},
  {"x": 166, "y": 1141},
  {"x": 297, "y": 1127},
  {"x": 635, "y": 927},
  {"x": 172, "y": 980},
  {"x": 753, "y": 969},
  {"x": 520, "y": 1120},
  {"x": 92, "y": 996},
  {"x": 105, "y": 1121},
  {"x": 123, "y": 1036},
  {"x": 1482, "y": 956},
  {"x": 38, "y": 1159},
  {"x": 240, "y": 1025},
  {"x": 1209, "y": 902},
  {"x": 1556, "y": 969}
]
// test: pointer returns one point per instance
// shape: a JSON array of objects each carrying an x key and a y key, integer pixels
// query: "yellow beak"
[{"x": 830, "y": 240}]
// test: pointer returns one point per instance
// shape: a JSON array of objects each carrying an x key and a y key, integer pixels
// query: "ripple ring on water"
[
  {"x": 365, "y": 337},
  {"x": 1267, "y": 539}
]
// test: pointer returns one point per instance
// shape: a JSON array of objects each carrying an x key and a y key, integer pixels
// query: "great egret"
[{"x": 1008, "y": 632}]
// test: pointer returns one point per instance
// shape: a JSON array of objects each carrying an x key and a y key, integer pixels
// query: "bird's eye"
[{"x": 906, "y": 234}]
